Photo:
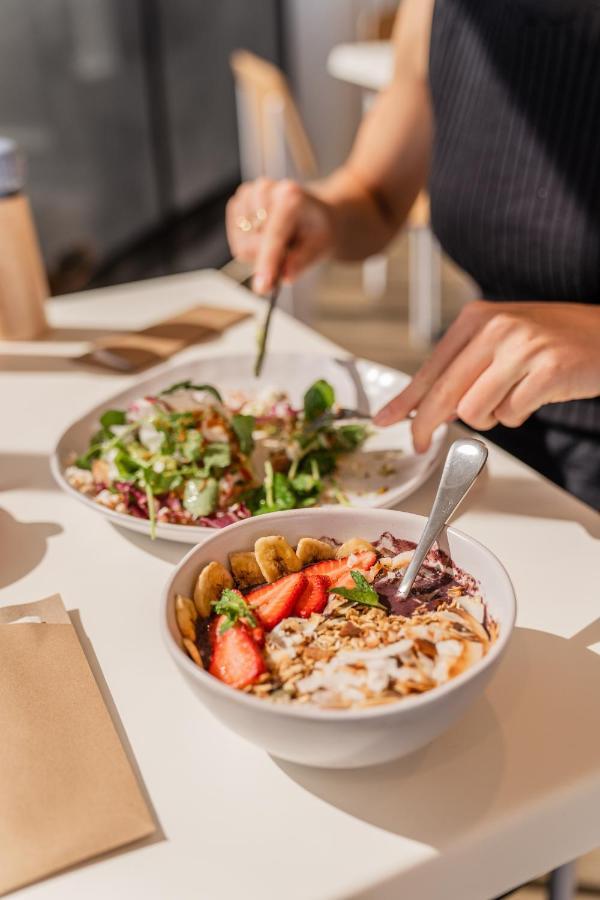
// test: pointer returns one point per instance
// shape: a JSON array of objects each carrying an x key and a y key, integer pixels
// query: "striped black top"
[{"x": 515, "y": 178}]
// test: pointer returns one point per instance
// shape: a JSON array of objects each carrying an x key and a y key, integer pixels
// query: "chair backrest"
[{"x": 273, "y": 141}]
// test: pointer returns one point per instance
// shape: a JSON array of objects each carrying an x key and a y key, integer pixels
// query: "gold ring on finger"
[
  {"x": 260, "y": 215},
  {"x": 244, "y": 224}
]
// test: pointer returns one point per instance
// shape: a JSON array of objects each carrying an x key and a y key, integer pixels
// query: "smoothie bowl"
[{"x": 289, "y": 629}]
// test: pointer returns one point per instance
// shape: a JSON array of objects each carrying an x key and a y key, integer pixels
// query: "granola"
[{"x": 327, "y": 628}]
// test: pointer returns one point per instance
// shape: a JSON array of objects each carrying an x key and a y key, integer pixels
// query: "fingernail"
[{"x": 259, "y": 284}]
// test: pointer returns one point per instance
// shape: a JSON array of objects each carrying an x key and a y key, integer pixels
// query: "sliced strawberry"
[
  {"x": 275, "y": 601},
  {"x": 236, "y": 659},
  {"x": 338, "y": 570},
  {"x": 313, "y": 598},
  {"x": 258, "y": 635}
]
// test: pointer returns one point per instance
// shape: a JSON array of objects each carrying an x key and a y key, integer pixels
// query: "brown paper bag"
[
  {"x": 67, "y": 789},
  {"x": 135, "y": 350}
]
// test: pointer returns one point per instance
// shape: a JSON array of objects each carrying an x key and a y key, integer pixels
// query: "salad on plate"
[{"x": 189, "y": 456}]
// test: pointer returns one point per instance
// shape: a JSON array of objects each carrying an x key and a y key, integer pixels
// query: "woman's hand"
[
  {"x": 279, "y": 227},
  {"x": 498, "y": 363}
]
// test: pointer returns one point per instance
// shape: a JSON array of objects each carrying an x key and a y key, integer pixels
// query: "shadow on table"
[
  {"x": 31, "y": 363},
  {"x": 23, "y": 544},
  {"x": 503, "y": 752},
  {"x": 64, "y": 335},
  {"x": 530, "y": 497},
  {"x": 169, "y": 551},
  {"x": 26, "y": 470}
]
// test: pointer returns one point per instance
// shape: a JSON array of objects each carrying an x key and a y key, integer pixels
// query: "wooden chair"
[
  {"x": 272, "y": 138},
  {"x": 273, "y": 143}
]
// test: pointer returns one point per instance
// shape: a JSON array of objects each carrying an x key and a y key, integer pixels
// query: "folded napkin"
[
  {"x": 67, "y": 789},
  {"x": 135, "y": 350}
]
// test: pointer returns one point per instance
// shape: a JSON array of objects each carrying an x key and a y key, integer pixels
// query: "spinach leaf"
[
  {"x": 349, "y": 437},
  {"x": 215, "y": 456},
  {"x": 276, "y": 495},
  {"x": 305, "y": 483},
  {"x": 283, "y": 493},
  {"x": 200, "y": 496},
  {"x": 192, "y": 445},
  {"x": 319, "y": 398},
  {"x": 190, "y": 386},
  {"x": 325, "y": 460},
  {"x": 112, "y": 417},
  {"x": 243, "y": 427},
  {"x": 127, "y": 466}
]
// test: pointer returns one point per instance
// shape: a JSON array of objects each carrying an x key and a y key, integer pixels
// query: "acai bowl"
[{"x": 396, "y": 713}]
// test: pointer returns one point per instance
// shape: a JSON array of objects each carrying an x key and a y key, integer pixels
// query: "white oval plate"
[{"x": 394, "y": 469}]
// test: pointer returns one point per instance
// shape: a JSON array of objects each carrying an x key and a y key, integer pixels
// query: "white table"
[{"x": 508, "y": 794}]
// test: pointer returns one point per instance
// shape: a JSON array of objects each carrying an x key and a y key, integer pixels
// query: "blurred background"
[
  {"x": 138, "y": 124},
  {"x": 128, "y": 117}
]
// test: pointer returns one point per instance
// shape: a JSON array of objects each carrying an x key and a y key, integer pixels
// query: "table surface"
[
  {"x": 510, "y": 792},
  {"x": 368, "y": 64}
]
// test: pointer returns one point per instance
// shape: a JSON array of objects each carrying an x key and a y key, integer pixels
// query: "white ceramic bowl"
[{"x": 341, "y": 738}]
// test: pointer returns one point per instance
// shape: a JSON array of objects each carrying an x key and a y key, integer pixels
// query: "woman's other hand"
[
  {"x": 498, "y": 363},
  {"x": 279, "y": 227}
]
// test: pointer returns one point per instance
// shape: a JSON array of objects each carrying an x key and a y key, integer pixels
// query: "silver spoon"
[{"x": 466, "y": 458}]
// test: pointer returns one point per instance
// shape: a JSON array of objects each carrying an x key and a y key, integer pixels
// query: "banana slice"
[
  {"x": 192, "y": 652},
  {"x": 275, "y": 557},
  {"x": 245, "y": 569},
  {"x": 186, "y": 615},
  {"x": 310, "y": 550},
  {"x": 210, "y": 585},
  {"x": 354, "y": 545}
]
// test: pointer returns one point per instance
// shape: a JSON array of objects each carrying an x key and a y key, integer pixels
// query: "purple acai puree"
[{"x": 431, "y": 588}]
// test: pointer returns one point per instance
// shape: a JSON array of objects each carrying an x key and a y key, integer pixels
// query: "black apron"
[{"x": 515, "y": 182}]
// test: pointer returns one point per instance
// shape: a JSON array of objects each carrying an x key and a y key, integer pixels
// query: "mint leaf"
[
  {"x": 243, "y": 427},
  {"x": 232, "y": 605},
  {"x": 362, "y": 593},
  {"x": 190, "y": 386},
  {"x": 200, "y": 496},
  {"x": 318, "y": 399}
]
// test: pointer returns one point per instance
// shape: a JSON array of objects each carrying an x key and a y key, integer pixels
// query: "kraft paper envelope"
[{"x": 67, "y": 789}]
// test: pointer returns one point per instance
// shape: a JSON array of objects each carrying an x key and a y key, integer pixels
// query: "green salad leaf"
[
  {"x": 232, "y": 605},
  {"x": 215, "y": 456},
  {"x": 200, "y": 496},
  {"x": 243, "y": 427},
  {"x": 347, "y": 438},
  {"x": 112, "y": 417},
  {"x": 318, "y": 399},
  {"x": 363, "y": 592},
  {"x": 191, "y": 448},
  {"x": 190, "y": 386}
]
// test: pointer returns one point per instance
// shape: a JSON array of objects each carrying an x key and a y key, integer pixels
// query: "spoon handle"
[{"x": 465, "y": 460}]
